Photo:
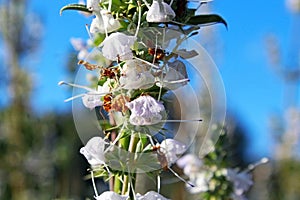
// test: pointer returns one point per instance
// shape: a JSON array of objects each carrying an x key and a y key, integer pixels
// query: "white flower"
[
  {"x": 242, "y": 181},
  {"x": 190, "y": 164},
  {"x": 104, "y": 22},
  {"x": 92, "y": 98},
  {"x": 151, "y": 195},
  {"x": 171, "y": 149},
  {"x": 160, "y": 12},
  {"x": 145, "y": 110},
  {"x": 93, "y": 5},
  {"x": 136, "y": 75},
  {"x": 110, "y": 195},
  {"x": 118, "y": 45},
  {"x": 94, "y": 151},
  {"x": 200, "y": 181}
]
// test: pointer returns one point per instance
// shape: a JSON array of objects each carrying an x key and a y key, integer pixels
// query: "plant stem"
[{"x": 131, "y": 148}]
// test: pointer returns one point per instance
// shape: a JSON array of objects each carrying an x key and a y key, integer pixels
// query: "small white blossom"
[
  {"x": 93, "y": 99},
  {"x": 190, "y": 164},
  {"x": 94, "y": 151},
  {"x": 242, "y": 181},
  {"x": 151, "y": 195},
  {"x": 136, "y": 75},
  {"x": 145, "y": 110},
  {"x": 160, "y": 12},
  {"x": 110, "y": 195},
  {"x": 104, "y": 22},
  {"x": 171, "y": 149},
  {"x": 200, "y": 181},
  {"x": 118, "y": 45}
]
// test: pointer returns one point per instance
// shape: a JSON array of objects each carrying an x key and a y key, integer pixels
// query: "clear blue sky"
[{"x": 253, "y": 90}]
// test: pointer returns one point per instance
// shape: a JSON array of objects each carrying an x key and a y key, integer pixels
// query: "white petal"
[
  {"x": 110, "y": 195},
  {"x": 242, "y": 181},
  {"x": 92, "y": 100},
  {"x": 171, "y": 148},
  {"x": 118, "y": 44},
  {"x": 145, "y": 110},
  {"x": 136, "y": 75},
  {"x": 190, "y": 164},
  {"x": 151, "y": 195},
  {"x": 160, "y": 12},
  {"x": 94, "y": 151}
]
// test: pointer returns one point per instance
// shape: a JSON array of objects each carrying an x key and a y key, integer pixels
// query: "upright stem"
[{"x": 127, "y": 184}]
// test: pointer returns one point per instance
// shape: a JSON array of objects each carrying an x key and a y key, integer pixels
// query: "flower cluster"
[{"x": 135, "y": 71}]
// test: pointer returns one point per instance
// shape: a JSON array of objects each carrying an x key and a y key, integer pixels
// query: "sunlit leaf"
[
  {"x": 78, "y": 7},
  {"x": 206, "y": 20}
]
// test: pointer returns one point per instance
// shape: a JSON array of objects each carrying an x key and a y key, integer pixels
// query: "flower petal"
[{"x": 94, "y": 151}]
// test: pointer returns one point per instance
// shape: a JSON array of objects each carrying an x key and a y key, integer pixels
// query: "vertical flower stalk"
[{"x": 129, "y": 93}]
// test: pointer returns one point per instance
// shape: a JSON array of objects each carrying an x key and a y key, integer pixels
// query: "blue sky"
[{"x": 253, "y": 90}]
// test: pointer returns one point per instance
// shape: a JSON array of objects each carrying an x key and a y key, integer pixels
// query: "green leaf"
[
  {"x": 206, "y": 19},
  {"x": 78, "y": 7}
]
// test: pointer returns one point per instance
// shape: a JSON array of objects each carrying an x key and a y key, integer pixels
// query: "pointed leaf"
[
  {"x": 206, "y": 19},
  {"x": 78, "y": 7}
]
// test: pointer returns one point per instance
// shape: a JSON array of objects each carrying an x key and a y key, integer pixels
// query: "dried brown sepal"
[
  {"x": 109, "y": 72},
  {"x": 119, "y": 103},
  {"x": 88, "y": 65},
  {"x": 107, "y": 102},
  {"x": 158, "y": 53}
]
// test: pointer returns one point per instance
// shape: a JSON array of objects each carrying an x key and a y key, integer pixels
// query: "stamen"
[
  {"x": 105, "y": 22},
  {"x": 178, "y": 120},
  {"x": 158, "y": 183},
  {"x": 178, "y": 81},
  {"x": 190, "y": 184},
  {"x": 144, "y": 61},
  {"x": 109, "y": 5},
  {"x": 171, "y": 3},
  {"x": 94, "y": 185},
  {"x": 76, "y": 86},
  {"x": 151, "y": 140},
  {"x": 88, "y": 31},
  {"x": 75, "y": 97},
  {"x": 146, "y": 3},
  {"x": 254, "y": 165},
  {"x": 140, "y": 17}
]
